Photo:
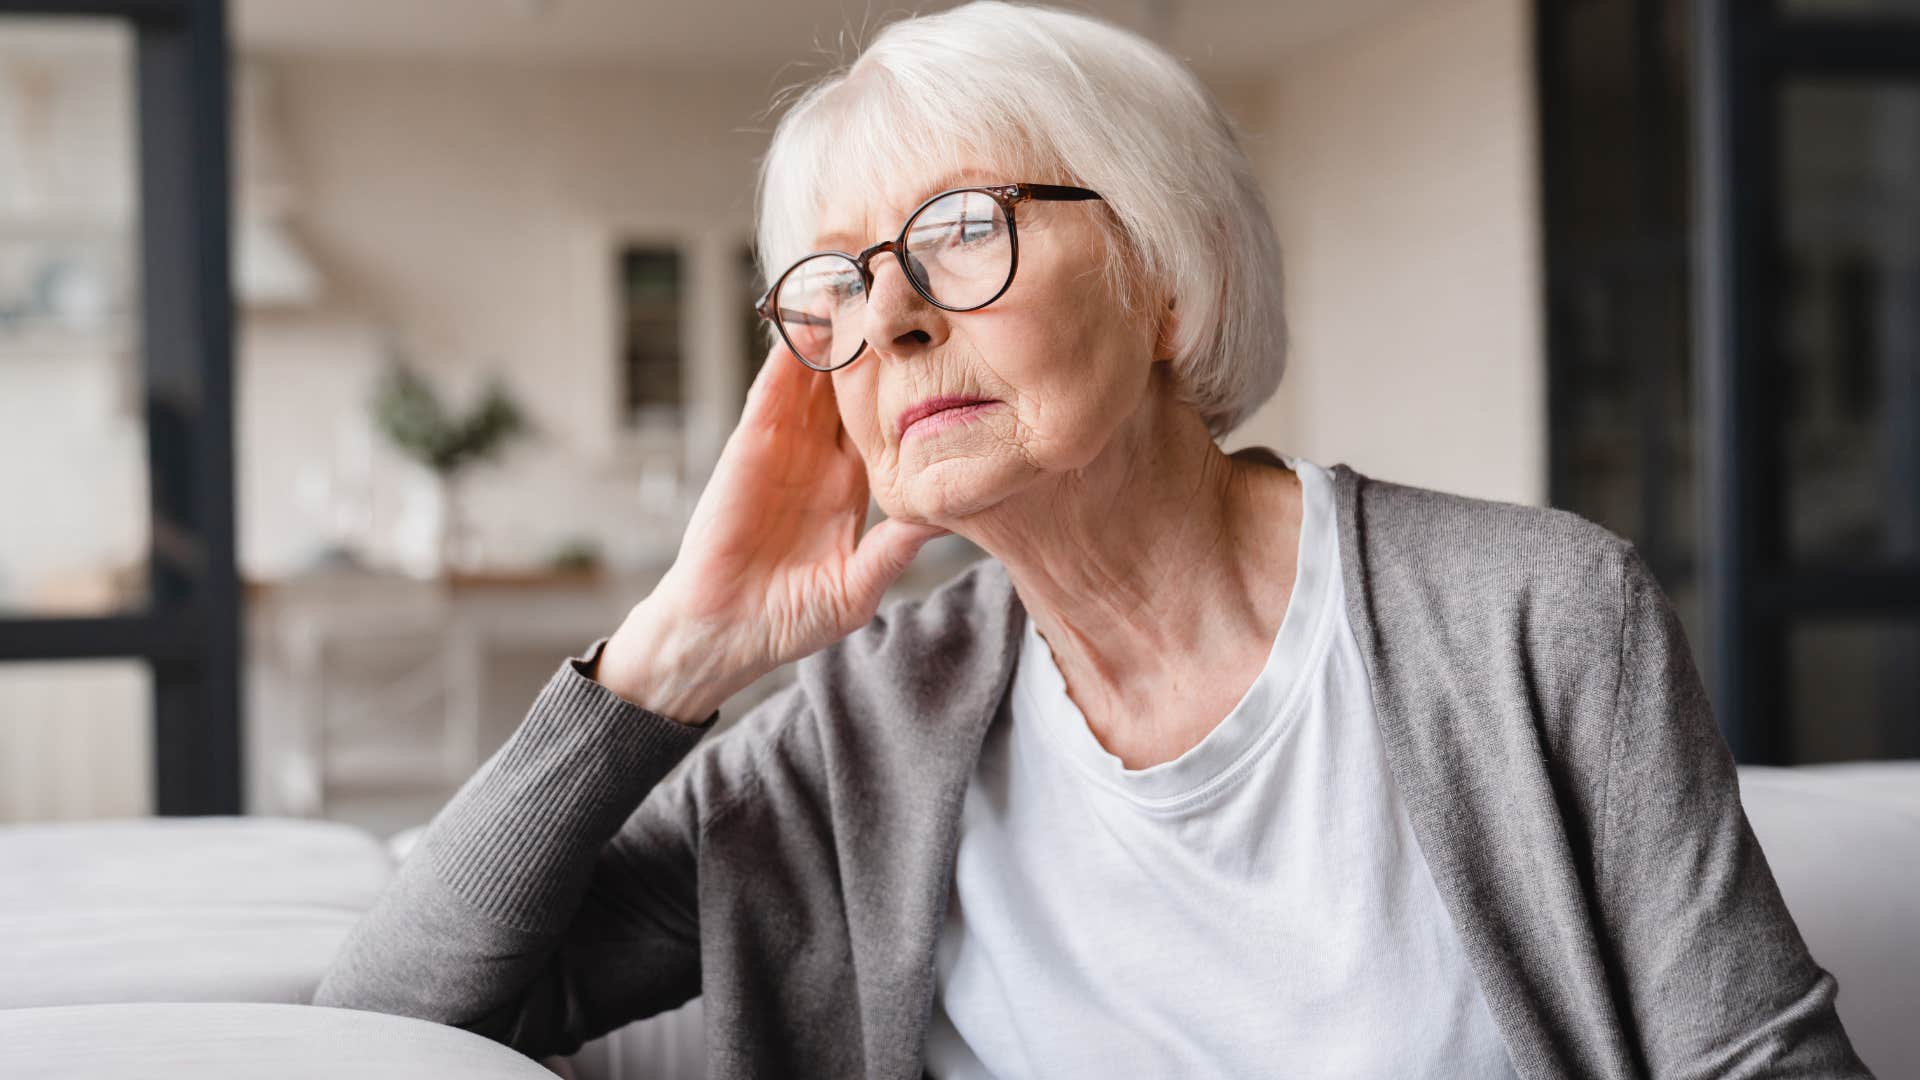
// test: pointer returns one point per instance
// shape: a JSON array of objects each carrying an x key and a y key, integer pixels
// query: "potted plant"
[{"x": 412, "y": 415}]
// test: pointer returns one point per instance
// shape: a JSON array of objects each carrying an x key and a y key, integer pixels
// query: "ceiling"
[{"x": 1227, "y": 37}]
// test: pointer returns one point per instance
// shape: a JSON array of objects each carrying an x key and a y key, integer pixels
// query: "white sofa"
[
  {"x": 243, "y": 1041},
  {"x": 133, "y": 941},
  {"x": 1844, "y": 844},
  {"x": 179, "y": 909}
]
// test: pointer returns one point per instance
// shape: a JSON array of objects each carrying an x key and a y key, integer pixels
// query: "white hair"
[{"x": 1056, "y": 97}]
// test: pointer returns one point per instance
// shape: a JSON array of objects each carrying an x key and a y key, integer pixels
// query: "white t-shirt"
[{"x": 1257, "y": 906}]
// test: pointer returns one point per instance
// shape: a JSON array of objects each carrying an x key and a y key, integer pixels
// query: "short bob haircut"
[{"x": 1051, "y": 96}]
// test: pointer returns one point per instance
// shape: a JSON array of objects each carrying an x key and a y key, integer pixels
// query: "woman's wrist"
[{"x": 653, "y": 661}]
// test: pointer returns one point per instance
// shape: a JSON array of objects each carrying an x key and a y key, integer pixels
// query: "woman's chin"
[{"x": 951, "y": 487}]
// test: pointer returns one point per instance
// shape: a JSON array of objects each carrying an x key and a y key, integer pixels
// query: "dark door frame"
[
  {"x": 190, "y": 633},
  {"x": 1746, "y": 52}
]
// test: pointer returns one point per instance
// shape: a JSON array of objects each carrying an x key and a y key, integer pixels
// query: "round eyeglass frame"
[{"x": 1007, "y": 195}]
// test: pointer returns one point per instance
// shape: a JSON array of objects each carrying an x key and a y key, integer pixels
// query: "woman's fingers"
[
  {"x": 769, "y": 383},
  {"x": 823, "y": 404},
  {"x": 883, "y": 556},
  {"x": 787, "y": 395}
]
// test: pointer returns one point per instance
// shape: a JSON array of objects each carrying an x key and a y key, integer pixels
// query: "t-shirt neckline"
[{"x": 1260, "y": 716}]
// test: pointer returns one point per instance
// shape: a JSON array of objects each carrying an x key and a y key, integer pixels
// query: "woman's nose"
[{"x": 899, "y": 319}]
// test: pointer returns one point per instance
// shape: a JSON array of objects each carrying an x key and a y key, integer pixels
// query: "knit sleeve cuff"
[{"x": 518, "y": 841}]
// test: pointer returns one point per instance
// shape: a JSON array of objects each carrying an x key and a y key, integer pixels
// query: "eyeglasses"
[{"x": 958, "y": 249}]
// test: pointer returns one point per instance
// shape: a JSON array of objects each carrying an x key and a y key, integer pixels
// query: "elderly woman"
[{"x": 1219, "y": 765}]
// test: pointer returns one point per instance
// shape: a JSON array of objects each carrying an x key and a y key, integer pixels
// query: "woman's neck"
[{"x": 1158, "y": 576}]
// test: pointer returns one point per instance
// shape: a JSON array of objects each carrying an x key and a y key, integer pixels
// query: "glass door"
[
  {"x": 119, "y": 601},
  {"x": 1809, "y": 305}
]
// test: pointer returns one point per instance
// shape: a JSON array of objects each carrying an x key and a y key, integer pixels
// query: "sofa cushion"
[
  {"x": 198, "y": 909},
  {"x": 158, "y": 861},
  {"x": 212, "y": 1041},
  {"x": 106, "y": 953},
  {"x": 1843, "y": 841}
]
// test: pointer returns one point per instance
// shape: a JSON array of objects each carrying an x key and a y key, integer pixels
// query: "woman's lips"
[
  {"x": 930, "y": 423},
  {"x": 927, "y": 406}
]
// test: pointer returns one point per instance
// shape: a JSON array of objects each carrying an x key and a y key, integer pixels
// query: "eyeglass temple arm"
[
  {"x": 790, "y": 316},
  {"x": 1055, "y": 192},
  {"x": 765, "y": 308}
]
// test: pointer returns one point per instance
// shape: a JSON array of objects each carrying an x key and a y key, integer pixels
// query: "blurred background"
[{"x": 360, "y": 360}]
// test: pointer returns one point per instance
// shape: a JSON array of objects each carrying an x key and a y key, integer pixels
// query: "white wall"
[
  {"x": 465, "y": 212},
  {"x": 1400, "y": 165}
]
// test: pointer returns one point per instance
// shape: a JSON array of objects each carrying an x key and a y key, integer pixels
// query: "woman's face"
[{"x": 1059, "y": 363}]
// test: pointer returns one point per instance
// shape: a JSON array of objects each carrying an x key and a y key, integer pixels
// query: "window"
[{"x": 652, "y": 302}]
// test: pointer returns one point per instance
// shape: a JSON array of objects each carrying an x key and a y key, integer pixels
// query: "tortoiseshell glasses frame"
[{"x": 1006, "y": 196}]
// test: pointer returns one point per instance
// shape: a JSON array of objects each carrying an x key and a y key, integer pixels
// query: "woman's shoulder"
[
  {"x": 1476, "y": 551},
  {"x": 1438, "y": 580},
  {"x": 1530, "y": 611}
]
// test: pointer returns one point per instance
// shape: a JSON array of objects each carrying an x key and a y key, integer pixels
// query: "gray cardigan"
[{"x": 1542, "y": 718}]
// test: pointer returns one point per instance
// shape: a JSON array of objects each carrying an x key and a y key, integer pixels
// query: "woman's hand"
[{"x": 772, "y": 566}]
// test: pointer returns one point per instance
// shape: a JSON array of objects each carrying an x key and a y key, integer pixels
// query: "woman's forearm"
[{"x": 470, "y": 931}]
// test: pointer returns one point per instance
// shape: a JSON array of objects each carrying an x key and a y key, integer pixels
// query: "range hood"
[{"x": 271, "y": 267}]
